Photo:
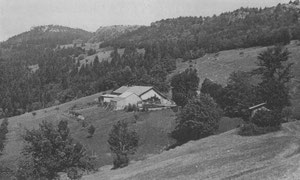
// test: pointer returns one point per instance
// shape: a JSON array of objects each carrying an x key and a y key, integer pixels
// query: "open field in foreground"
[
  {"x": 225, "y": 156},
  {"x": 152, "y": 127}
]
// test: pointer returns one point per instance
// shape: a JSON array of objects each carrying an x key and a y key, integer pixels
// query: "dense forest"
[
  {"x": 192, "y": 37},
  {"x": 61, "y": 78}
]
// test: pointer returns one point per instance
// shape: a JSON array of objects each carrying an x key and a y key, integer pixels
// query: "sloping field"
[
  {"x": 152, "y": 127},
  {"x": 218, "y": 67},
  {"x": 18, "y": 123},
  {"x": 225, "y": 156}
]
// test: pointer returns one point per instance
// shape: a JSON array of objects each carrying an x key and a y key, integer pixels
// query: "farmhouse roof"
[
  {"x": 121, "y": 90},
  {"x": 257, "y": 106},
  {"x": 117, "y": 98},
  {"x": 138, "y": 90},
  {"x": 126, "y": 94},
  {"x": 109, "y": 95}
]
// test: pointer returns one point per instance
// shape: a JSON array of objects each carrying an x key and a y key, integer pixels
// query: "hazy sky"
[{"x": 17, "y": 16}]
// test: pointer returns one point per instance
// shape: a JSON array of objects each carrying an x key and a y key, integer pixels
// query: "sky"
[{"x": 17, "y": 16}]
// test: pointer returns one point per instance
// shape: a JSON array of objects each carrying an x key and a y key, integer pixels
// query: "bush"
[
  {"x": 122, "y": 142},
  {"x": 251, "y": 129},
  {"x": 198, "y": 119},
  {"x": 145, "y": 108},
  {"x": 287, "y": 113},
  {"x": 3, "y": 132},
  {"x": 264, "y": 118},
  {"x": 91, "y": 130},
  {"x": 50, "y": 150},
  {"x": 74, "y": 173},
  {"x": 33, "y": 113},
  {"x": 131, "y": 108},
  {"x": 120, "y": 162},
  {"x": 81, "y": 57}
]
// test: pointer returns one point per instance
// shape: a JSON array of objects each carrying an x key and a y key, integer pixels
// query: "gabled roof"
[
  {"x": 123, "y": 96},
  {"x": 121, "y": 90},
  {"x": 139, "y": 90},
  {"x": 126, "y": 94},
  {"x": 257, "y": 106}
]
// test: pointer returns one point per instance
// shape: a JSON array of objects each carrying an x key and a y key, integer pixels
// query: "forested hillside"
[
  {"x": 192, "y": 37},
  {"x": 60, "y": 78},
  {"x": 48, "y": 36},
  {"x": 111, "y": 32}
]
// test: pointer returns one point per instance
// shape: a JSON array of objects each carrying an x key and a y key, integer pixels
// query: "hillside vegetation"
[
  {"x": 225, "y": 156},
  {"x": 152, "y": 127},
  {"x": 218, "y": 67},
  {"x": 107, "y": 33},
  {"x": 61, "y": 78},
  {"x": 46, "y": 77},
  {"x": 192, "y": 37},
  {"x": 47, "y": 36}
]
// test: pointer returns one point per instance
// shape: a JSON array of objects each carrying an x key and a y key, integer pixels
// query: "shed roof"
[{"x": 257, "y": 106}]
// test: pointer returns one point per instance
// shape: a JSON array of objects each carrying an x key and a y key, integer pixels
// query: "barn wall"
[
  {"x": 132, "y": 99},
  {"x": 150, "y": 94}
]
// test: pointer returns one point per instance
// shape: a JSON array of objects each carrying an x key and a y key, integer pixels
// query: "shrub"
[
  {"x": 80, "y": 57},
  {"x": 264, "y": 118},
  {"x": 74, "y": 173},
  {"x": 251, "y": 129},
  {"x": 84, "y": 124},
  {"x": 131, "y": 108},
  {"x": 33, "y": 113},
  {"x": 3, "y": 132},
  {"x": 136, "y": 117},
  {"x": 91, "y": 130},
  {"x": 50, "y": 150},
  {"x": 287, "y": 113},
  {"x": 198, "y": 119},
  {"x": 145, "y": 108},
  {"x": 122, "y": 142}
]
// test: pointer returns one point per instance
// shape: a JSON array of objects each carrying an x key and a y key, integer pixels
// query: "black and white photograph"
[{"x": 149, "y": 89}]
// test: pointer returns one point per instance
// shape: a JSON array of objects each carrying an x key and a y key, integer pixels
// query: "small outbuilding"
[
  {"x": 258, "y": 107},
  {"x": 107, "y": 97}
]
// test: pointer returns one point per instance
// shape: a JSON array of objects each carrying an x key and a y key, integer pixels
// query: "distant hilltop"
[{"x": 105, "y": 33}]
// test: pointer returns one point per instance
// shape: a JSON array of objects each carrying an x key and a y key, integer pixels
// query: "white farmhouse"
[{"x": 136, "y": 95}]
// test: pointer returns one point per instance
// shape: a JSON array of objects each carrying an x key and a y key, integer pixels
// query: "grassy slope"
[
  {"x": 218, "y": 66},
  {"x": 226, "y": 156},
  {"x": 152, "y": 127}
]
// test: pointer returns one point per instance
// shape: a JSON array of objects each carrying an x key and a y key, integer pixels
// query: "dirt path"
[{"x": 226, "y": 156}]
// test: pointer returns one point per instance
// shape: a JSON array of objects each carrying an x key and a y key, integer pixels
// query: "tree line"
[
  {"x": 61, "y": 78},
  {"x": 192, "y": 37},
  {"x": 268, "y": 84}
]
